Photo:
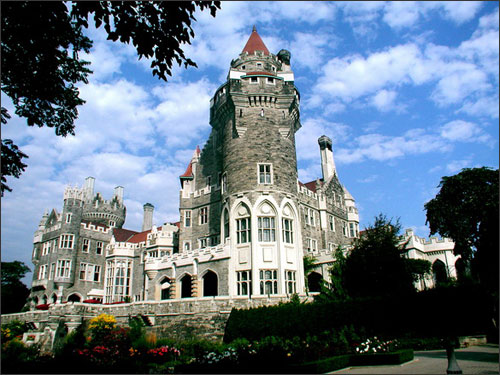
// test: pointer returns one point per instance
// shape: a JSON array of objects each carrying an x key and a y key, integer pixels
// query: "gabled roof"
[
  {"x": 189, "y": 170},
  {"x": 141, "y": 236},
  {"x": 123, "y": 235},
  {"x": 255, "y": 43},
  {"x": 311, "y": 185}
]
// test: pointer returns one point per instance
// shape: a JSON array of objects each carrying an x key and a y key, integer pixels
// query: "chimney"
[
  {"x": 147, "y": 221},
  {"x": 119, "y": 193},
  {"x": 88, "y": 188},
  {"x": 327, "y": 163}
]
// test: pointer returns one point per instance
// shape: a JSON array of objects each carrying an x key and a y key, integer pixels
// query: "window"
[
  {"x": 52, "y": 271},
  {"x": 267, "y": 231},
  {"x": 312, "y": 217},
  {"x": 203, "y": 243},
  {"x": 187, "y": 218},
  {"x": 270, "y": 80},
  {"x": 344, "y": 228},
  {"x": 214, "y": 240},
  {"x": 224, "y": 183},
  {"x": 268, "y": 282},
  {"x": 265, "y": 176},
  {"x": 85, "y": 245},
  {"x": 331, "y": 222},
  {"x": 254, "y": 80},
  {"x": 352, "y": 232},
  {"x": 331, "y": 246},
  {"x": 226, "y": 223},
  {"x": 63, "y": 268},
  {"x": 67, "y": 241},
  {"x": 118, "y": 276},
  {"x": 203, "y": 215},
  {"x": 259, "y": 65},
  {"x": 209, "y": 180},
  {"x": 287, "y": 231},
  {"x": 153, "y": 254},
  {"x": 290, "y": 283},
  {"x": 98, "y": 248},
  {"x": 243, "y": 230},
  {"x": 306, "y": 216},
  {"x": 42, "y": 272},
  {"x": 243, "y": 67},
  {"x": 68, "y": 218},
  {"x": 112, "y": 223},
  {"x": 244, "y": 283},
  {"x": 46, "y": 248},
  {"x": 311, "y": 244},
  {"x": 55, "y": 245},
  {"x": 187, "y": 245}
]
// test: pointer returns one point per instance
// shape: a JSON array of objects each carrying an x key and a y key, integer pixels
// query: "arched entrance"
[
  {"x": 314, "y": 280},
  {"x": 74, "y": 298},
  {"x": 210, "y": 284},
  {"x": 186, "y": 286},
  {"x": 165, "y": 285},
  {"x": 439, "y": 271}
]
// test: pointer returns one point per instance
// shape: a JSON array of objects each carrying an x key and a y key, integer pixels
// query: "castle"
[{"x": 246, "y": 221}]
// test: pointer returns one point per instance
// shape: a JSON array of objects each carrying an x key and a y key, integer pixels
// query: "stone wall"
[{"x": 202, "y": 318}]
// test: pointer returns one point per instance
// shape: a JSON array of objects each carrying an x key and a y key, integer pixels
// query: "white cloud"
[
  {"x": 463, "y": 131},
  {"x": 457, "y": 165},
  {"x": 384, "y": 100}
]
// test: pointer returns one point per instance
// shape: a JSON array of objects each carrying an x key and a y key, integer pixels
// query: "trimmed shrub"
[{"x": 394, "y": 358}]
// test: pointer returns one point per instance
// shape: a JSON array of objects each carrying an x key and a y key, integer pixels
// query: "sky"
[{"x": 407, "y": 91}]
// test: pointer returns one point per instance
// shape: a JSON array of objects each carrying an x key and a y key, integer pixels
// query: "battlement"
[
  {"x": 94, "y": 227},
  {"x": 74, "y": 193}
]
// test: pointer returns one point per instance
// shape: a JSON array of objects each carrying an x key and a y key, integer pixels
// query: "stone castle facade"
[{"x": 246, "y": 221}]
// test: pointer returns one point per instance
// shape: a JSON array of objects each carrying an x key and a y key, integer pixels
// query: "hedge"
[{"x": 440, "y": 312}]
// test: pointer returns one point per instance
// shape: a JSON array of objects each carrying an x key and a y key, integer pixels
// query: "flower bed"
[{"x": 92, "y": 300}]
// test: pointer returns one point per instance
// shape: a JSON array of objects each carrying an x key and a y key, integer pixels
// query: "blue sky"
[{"x": 408, "y": 92}]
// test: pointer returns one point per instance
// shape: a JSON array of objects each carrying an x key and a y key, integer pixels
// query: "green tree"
[
  {"x": 418, "y": 268},
  {"x": 40, "y": 63},
  {"x": 466, "y": 210},
  {"x": 375, "y": 266},
  {"x": 14, "y": 292},
  {"x": 335, "y": 290},
  {"x": 308, "y": 262}
]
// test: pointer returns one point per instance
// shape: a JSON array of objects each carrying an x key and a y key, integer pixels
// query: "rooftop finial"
[{"x": 254, "y": 29}]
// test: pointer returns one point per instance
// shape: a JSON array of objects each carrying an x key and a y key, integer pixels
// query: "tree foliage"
[
  {"x": 40, "y": 63},
  {"x": 375, "y": 266},
  {"x": 466, "y": 210},
  {"x": 14, "y": 292}
]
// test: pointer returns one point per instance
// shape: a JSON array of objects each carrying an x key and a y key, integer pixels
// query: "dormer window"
[{"x": 243, "y": 67}]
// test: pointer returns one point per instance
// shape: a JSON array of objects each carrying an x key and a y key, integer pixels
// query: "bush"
[{"x": 394, "y": 358}]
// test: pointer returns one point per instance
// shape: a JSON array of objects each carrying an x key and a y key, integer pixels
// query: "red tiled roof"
[
  {"x": 255, "y": 43},
  {"x": 141, "y": 236},
  {"x": 123, "y": 235},
  {"x": 189, "y": 169},
  {"x": 311, "y": 185},
  {"x": 178, "y": 224}
]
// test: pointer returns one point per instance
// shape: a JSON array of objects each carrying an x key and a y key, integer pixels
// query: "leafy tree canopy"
[
  {"x": 14, "y": 292},
  {"x": 375, "y": 266},
  {"x": 40, "y": 63},
  {"x": 466, "y": 210}
]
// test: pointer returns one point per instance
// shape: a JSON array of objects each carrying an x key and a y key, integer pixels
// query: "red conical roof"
[{"x": 255, "y": 43}]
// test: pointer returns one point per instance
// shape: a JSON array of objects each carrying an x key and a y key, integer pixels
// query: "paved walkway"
[{"x": 482, "y": 359}]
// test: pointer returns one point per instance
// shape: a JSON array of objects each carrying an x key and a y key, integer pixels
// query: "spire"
[{"x": 255, "y": 43}]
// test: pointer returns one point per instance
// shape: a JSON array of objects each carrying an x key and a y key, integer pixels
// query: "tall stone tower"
[{"x": 241, "y": 189}]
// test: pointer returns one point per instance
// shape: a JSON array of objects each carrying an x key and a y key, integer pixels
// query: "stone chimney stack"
[
  {"x": 147, "y": 222},
  {"x": 88, "y": 188},
  {"x": 119, "y": 193},
  {"x": 327, "y": 163}
]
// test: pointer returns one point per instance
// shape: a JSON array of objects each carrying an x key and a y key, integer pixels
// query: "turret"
[{"x": 147, "y": 221}]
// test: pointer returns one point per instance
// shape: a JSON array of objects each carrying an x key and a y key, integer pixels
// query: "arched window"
[
  {"x": 186, "y": 286},
  {"x": 165, "y": 288},
  {"x": 226, "y": 223},
  {"x": 439, "y": 271},
  {"x": 44, "y": 299},
  {"x": 53, "y": 298},
  {"x": 243, "y": 232},
  {"x": 287, "y": 225},
  {"x": 314, "y": 280},
  {"x": 210, "y": 284},
  {"x": 266, "y": 223}
]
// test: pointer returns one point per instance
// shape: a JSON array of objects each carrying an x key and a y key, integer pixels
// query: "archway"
[
  {"x": 74, "y": 298},
  {"x": 44, "y": 299},
  {"x": 186, "y": 282},
  {"x": 53, "y": 298},
  {"x": 439, "y": 271},
  {"x": 210, "y": 284},
  {"x": 314, "y": 280},
  {"x": 165, "y": 285}
]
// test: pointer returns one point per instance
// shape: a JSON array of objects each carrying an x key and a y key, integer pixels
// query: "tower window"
[
  {"x": 331, "y": 221},
  {"x": 203, "y": 215},
  {"x": 243, "y": 230},
  {"x": 68, "y": 218},
  {"x": 259, "y": 65},
  {"x": 243, "y": 67},
  {"x": 187, "y": 219},
  {"x": 244, "y": 282},
  {"x": 267, "y": 229},
  {"x": 254, "y": 80},
  {"x": 265, "y": 173},
  {"x": 270, "y": 80},
  {"x": 98, "y": 248}
]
